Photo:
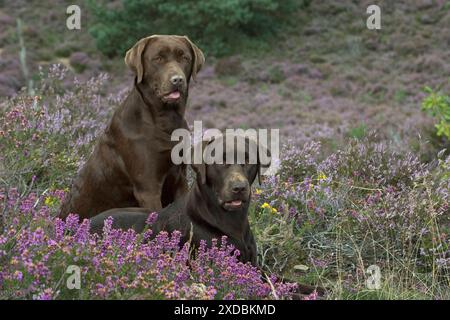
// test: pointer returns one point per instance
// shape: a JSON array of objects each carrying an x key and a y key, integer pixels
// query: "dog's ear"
[
  {"x": 200, "y": 169},
  {"x": 133, "y": 57},
  {"x": 198, "y": 57}
]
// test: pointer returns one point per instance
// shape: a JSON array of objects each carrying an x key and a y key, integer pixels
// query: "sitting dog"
[{"x": 130, "y": 165}]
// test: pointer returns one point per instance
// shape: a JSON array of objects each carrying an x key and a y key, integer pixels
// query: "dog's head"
[
  {"x": 164, "y": 64},
  {"x": 230, "y": 181}
]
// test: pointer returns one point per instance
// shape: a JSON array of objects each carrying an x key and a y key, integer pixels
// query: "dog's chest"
[{"x": 170, "y": 120}]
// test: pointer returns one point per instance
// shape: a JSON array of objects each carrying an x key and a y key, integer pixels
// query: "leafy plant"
[{"x": 438, "y": 105}]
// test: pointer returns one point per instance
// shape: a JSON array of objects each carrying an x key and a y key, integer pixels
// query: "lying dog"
[
  {"x": 216, "y": 205},
  {"x": 130, "y": 165}
]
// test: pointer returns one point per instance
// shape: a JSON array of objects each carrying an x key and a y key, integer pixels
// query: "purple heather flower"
[
  {"x": 152, "y": 217},
  {"x": 312, "y": 296}
]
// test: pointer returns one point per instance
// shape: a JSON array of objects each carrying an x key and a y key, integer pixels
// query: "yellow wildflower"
[
  {"x": 321, "y": 176},
  {"x": 265, "y": 205},
  {"x": 258, "y": 191},
  {"x": 268, "y": 206},
  {"x": 50, "y": 201}
]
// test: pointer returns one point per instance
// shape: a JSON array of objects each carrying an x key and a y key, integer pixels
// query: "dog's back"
[{"x": 169, "y": 219}]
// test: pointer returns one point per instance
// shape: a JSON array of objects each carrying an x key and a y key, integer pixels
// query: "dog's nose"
[
  {"x": 176, "y": 80},
  {"x": 238, "y": 186}
]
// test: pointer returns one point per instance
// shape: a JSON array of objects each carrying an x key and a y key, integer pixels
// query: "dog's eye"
[
  {"x": 185, "y": 57},
  {"x": 157, "y": 59}
]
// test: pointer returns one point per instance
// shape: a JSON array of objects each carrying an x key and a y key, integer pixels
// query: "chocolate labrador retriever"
[
  {"x": 130, "y": 165},
  {"x": 216, "y": 205}
]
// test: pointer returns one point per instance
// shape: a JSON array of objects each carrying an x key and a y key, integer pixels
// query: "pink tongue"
[
  {"x": 174, "y": 95},
  {"x": 236, "y": 202}
]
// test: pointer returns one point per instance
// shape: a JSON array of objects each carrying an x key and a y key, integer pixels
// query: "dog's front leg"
[{"x": 144, "y": 175}]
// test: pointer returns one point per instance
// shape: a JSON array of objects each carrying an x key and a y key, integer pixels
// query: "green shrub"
[
  {"x": 216, "y": 25},
  {"x": 438, "y": 105}
]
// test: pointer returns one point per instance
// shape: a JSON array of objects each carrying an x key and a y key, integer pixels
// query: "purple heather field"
[{"x": 364, "y": 177}]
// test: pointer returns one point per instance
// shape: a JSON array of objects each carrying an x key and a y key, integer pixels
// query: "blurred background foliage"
[{"x": 218, "y": 26}]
